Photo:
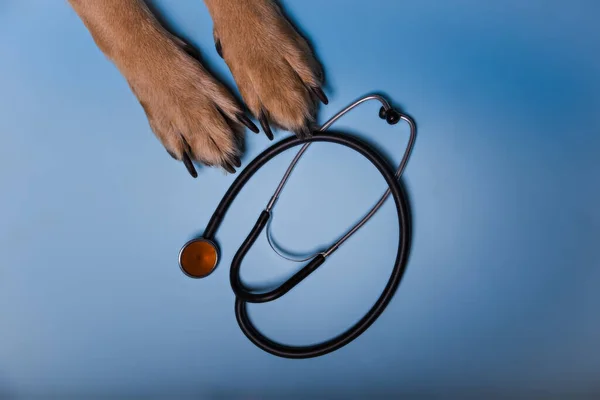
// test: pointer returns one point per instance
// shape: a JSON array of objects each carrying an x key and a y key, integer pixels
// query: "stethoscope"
[{"x": 199, "y": 257}]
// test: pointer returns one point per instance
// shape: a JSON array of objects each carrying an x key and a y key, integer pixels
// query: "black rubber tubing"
[
  {"x": 243, "y": 296},
  {"x": 234, "y": 274}
]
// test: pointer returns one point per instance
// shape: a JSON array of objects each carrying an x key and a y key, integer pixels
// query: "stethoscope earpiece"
[{"x": 390, "y": 115}]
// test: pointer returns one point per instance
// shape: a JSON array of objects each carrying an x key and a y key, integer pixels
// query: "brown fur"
[{"x": 190, "y": 112}]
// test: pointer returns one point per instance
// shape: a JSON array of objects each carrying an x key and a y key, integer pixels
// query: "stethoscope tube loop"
[{"x": 243, "y": 297}]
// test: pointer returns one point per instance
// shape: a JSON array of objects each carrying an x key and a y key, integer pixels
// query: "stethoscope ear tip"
[
  {"x": 198, "y": 258},
  {"x": 390, "y": 115}
]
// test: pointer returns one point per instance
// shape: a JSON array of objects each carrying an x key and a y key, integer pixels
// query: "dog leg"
[
  {"x": 193, "y": 115},
  {"x": 273, "y": 66}
]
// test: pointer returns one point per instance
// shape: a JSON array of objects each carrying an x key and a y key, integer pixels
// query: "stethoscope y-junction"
[{"x": 199, "y": 257}]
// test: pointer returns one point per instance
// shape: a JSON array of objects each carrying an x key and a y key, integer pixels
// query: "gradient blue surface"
[{"x": 501, "y": 292}]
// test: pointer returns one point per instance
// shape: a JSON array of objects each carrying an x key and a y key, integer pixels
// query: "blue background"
[{"x": 501, "y": 292}]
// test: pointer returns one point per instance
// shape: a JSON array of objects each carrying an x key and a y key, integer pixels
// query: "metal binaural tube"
[{"x": 385, "y": 109}]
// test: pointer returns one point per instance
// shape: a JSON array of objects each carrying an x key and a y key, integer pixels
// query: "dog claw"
[
  {"x": 321, "y": 95},
  {"x": 219, "y": 48},
  {"x": 229, "y": 168},
  {"x": 246, "y": 121},
  {"x": 265, "y": 125},
  {"x": 189, "y": 165}
]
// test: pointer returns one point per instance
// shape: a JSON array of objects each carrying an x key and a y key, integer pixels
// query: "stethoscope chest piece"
[{"x": 198, "y": 258}]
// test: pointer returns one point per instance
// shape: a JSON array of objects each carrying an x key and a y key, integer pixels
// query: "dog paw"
[
  {"x": 193, "y": 115},
  {"x": 274, "y": 68},
  {"x": 190, "y": 112}
]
